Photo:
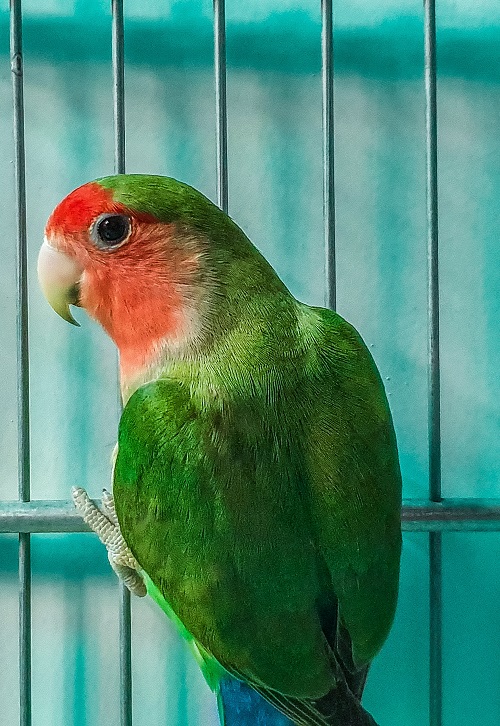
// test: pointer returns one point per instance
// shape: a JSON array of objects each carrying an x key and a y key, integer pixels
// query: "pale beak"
[{"x": 59, "y": 276}]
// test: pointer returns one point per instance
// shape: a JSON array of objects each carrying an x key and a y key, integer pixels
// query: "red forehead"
[{"x": 77, "y": 211}]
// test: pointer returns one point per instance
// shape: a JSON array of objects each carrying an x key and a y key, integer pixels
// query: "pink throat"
[
  {"x": 143, "y": 318},
  {"x": 136, "y": 361}
]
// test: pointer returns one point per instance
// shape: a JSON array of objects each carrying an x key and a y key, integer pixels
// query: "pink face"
[
  {"x": 72, "y": 227},
  {"x": 127, "y": 269}
]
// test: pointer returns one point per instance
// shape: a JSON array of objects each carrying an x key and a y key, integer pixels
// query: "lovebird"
[{"x": 256, "y": 487}]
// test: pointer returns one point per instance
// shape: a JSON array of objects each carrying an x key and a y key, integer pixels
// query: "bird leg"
[{"x": 105, "y": 524}]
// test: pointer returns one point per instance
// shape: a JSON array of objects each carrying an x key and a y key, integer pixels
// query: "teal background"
[{"x": 275, "y": 194}]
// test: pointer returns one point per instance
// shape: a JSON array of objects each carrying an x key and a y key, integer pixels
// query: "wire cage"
[{"x": 432, "y": 510}]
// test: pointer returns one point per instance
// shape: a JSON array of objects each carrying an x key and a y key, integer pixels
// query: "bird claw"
[
  {"x": 105, "y": 524},
  {"x": 108, "y": 504}
]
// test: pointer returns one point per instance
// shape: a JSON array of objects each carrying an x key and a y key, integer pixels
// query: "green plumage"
[{"x": 257, "y": 479}]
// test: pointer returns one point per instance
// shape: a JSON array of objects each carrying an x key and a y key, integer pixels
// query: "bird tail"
[
  {"x": 339, "y": 707},
  {"x": 242, "y": 705}
]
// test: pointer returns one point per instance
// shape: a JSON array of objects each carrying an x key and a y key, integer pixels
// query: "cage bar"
[
  {"x": 125, "y": 616},
  {"x": 434, "y": 403},
  {"x": 42, "y": 516},
  {"x": 448, "y": 515},
  {"x": 125, "y": 635},
  {"x": 22, "y": 255},
  {"x": 221, "y": 102},
  {"x": 23, "y": 456},
  {"x": 24, "y": 629},
  {"x": 118, "y": 60},
  {"x": 328, "y": 151}
]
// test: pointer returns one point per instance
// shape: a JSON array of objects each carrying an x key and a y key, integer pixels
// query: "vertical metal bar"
[
  {"x": 436, "y": 629},
  {"x": 432, "y": 231},
  {"x": 435, "y": 542},
  {"x": 24, "y": 630},
  {"x": 328, "y": 151},
  {"x": 125, "y": 634},
  {"x": 22, "y": 275},
  {"x": 221, "y": 102},
  {"x": 16, "y": 50},
  {"x": 125, "y": 657},
  {"x": 118, "y": 84}
]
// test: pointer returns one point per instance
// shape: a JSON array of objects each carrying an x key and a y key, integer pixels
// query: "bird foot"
[{"x": 105, "y": 524}]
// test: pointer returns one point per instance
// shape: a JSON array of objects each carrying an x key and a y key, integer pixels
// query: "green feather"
[{"x": 210, "y": 668}]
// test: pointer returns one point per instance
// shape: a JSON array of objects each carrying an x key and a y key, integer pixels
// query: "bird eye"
[{"x": 110, "y": 230}]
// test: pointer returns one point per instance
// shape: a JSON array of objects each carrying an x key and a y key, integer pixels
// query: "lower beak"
[{"x": 59, "y": 277}]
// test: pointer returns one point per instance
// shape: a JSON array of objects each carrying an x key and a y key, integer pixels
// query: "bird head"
[
  {"x": 158, "y": 265},
  {"x": 132, "y": 251}
]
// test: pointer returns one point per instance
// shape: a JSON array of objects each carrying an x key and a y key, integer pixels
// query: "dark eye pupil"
[{"x": 113, "y": 229}]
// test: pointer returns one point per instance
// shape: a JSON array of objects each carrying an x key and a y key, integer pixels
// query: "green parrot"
[{"x": 256, "y": 486}]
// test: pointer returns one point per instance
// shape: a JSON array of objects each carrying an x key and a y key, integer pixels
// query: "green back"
[
  {"x": 257, "y": 479},
  {"x": 260, "y": 480}
]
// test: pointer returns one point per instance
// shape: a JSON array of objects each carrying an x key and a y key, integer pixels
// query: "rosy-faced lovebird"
[{"x": 256, "y": 486}]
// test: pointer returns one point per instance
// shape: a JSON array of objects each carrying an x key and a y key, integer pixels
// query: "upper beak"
[{"x": 59, "y": 276}]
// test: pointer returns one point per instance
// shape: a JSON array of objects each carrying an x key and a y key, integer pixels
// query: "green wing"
[
  {"x": 206, "y": 500},
  {"x": 253, "y": 515},
  {"x": 354, "y": 480},
  {"x": 210, "y": 668}
]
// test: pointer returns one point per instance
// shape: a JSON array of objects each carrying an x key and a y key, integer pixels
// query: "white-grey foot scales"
[{"x": 105, "y": 524}]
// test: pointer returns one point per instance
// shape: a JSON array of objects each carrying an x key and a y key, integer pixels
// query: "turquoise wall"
[{"x": 275, "y": 194}]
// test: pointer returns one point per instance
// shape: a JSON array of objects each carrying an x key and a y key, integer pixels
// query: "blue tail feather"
[{"x": 240, "y": 705}]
